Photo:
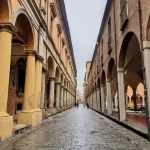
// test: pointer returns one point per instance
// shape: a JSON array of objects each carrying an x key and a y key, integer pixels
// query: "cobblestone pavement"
[{"x": 80, "y": 129}]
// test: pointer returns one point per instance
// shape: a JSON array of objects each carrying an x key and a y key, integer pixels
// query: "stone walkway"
[{"x": 80, "y": 129}]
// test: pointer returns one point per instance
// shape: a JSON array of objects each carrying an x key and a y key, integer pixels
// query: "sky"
[{"x": 84, "y": 17}]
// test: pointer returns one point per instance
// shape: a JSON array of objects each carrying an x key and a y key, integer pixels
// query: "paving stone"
[{"x": 80, "y": 129}]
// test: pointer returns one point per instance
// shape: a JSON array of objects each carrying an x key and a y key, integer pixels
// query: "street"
[{"x": 80, "y": 129}]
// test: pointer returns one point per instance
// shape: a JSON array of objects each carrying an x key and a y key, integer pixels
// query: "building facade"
[
  {"x": 119, "y": 71},
  {"x": 38, "y": 71}
]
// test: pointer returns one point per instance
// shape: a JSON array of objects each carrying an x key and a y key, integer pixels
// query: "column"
[
  {"x": 121, "y": 90},
  {"x": 42, "y": 102},
  {"x": 37, "y": 88},
  {"x": 6, "y": 121},
  {"x": 98, "y": 100},
  {"x": 51, "y": 95},
  {"x": 57, "y": 95},
  {"x": 126, "y": 98},
  {"x": 65, "y": 98},
  {"x": 134, "y": 99},
  {"x": 27, "y": 116},
  {"x": 62, "y": 98},
  {"x": 109, "y": 97},
  {"x": 102, "y": 99}
]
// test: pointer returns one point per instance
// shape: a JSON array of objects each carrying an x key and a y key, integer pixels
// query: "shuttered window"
[{"x": 124, "y": 13}]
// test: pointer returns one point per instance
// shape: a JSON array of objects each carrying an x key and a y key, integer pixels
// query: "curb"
[{"x": 140, "y": 133}]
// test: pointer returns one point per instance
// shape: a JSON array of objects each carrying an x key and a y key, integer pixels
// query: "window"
[
  {"x": 123, "y": 14},
  {"x": 109, "y": 36}
]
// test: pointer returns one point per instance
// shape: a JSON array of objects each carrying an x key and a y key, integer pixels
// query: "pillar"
[
  {"x": 134, "y": 99},
  {"x": 121, "y": 90},
  {"x": 65, "y": 100},
  {"x": 42, "y": 102},
  {"x": 6, "y": 121},
  {"x": 51, "y": 95},
  {"x": 109, "y": 97},
  {"x": 98, "y": 100},
  {"x": 28, "y": 115},
  {"x": 62, "y": 98},
  {"x": 102, "y": 99},
  {"x": 37, "y": 89},
  {"x": 57, "y": 96},
  {"x": 126, "y": 99}
]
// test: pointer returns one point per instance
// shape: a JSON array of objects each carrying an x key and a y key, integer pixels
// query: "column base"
[
  {"x": 62, "y": 108},
  {"x": 39, "y": 116},
  {"x": 43, "y": 113},
  {"x": 51, "y": 110},
  {"x": 6, "y": 127},
  {"x": 32, "y": 118}
]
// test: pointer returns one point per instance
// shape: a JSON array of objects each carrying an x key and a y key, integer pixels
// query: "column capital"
[
  {"x": 39, "y": 58},
  {"x": 120, "y": 69},
  {"x": 8, "y": 27},
  {"x": 102, "y": 85},
  {"x": 58, "y": 83},
  {"x": 108, "y": 80},
  {"x": 62, "y": 86},
  {"x": 31, "y": 52},
  {"x": 52, "y": 78},
  {"x": 146, "y": 45}
]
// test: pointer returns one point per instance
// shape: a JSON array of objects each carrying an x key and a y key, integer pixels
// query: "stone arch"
[
  {"x": 25, "y": 29},
  {"x": 103, "y": 78},
  {"x": 57, "y": 74},
  {"x": 5, "y": 11},
  {"x": 130, "y": 60},
  {"x": 51, "y": 65},
  {"x": 111, "y": 68},
  {"x": 148, "y": 30}
]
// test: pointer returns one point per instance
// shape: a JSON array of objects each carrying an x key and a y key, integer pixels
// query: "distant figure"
[
  {"x": 84, "y": 105},
  {"x": 77, "y": 105},
  {"x": 87, "y": 105}
]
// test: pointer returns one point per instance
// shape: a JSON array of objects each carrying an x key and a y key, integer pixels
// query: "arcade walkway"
[{"x": 80, "y": 129}]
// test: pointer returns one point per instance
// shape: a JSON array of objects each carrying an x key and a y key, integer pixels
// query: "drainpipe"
[
  {"x": 116, "y": 59},
  {"x": 143, "y": 69}
]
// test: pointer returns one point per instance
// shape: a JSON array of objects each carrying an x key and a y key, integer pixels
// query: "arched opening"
[
  {"x": 103, "y": 83},
  {"x": 130, "y": 60},
  {"x": 112, "y": 78},
  {"x": 98, "y": 95},
  {"x": 22, "y": 41},
  {"x": 4, "y": 11},
  {"x": 25, "y": 31}
]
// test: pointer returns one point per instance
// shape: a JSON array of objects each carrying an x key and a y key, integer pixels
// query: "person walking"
[{"x": 87, "y": 105}]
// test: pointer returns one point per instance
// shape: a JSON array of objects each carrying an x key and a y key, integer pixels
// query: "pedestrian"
[
  {"x": 87, "y": 105},
  {"x": 84, "y": 105},
  {"x": 75, "y": 105}
]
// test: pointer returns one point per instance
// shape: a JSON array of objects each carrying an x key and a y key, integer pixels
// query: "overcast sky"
[{"x": 84, "y": 17}]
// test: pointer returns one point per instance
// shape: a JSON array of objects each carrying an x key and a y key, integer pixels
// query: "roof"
[{"x": 66, "y": 24}]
